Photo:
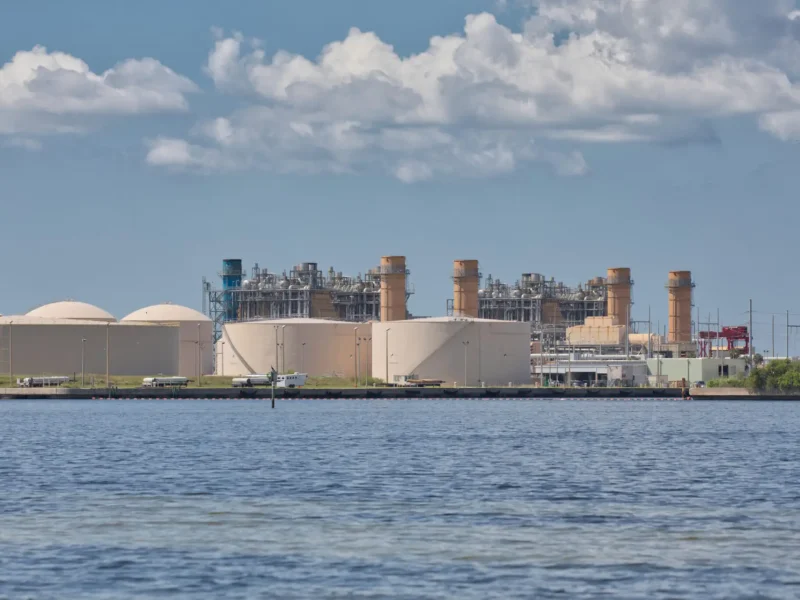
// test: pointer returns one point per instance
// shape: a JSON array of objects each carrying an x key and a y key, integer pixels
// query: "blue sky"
[{"x": 659, "y": 140}]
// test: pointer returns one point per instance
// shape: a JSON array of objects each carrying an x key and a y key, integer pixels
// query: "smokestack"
[
  {"x": 393, "y": 288},
  {"x": 679, "y": 288},
  {"x": 466, "y": 280},
  {"x": 619, "y": 294}
]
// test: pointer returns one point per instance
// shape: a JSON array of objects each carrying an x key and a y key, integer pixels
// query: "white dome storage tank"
[
  {"x": 318, "y": 347},
  {"x": 72, "y": 310},
  {"x": 196, "y": 335},
  {"x": 496, "y": 352}
]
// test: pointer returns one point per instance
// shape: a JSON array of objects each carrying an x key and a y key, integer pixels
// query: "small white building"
[{"x": 692, "y": 370}]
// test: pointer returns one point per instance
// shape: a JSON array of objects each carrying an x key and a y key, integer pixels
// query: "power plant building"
[
  {"x": 466, "y": 351},
  {"x": 548, "y": 306},
  {"x": 69, "y": 338},
  {"x": 309, "y": 293},
  {"x": 318, "y": 347}
]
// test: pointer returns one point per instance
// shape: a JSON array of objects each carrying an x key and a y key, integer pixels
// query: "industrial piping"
[
  {"x": 466, "y": 281},
  {"x": 679, "y": 287},
  {"x": 393, "y": 288}
]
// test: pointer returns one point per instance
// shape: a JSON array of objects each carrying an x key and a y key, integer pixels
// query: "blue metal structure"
[{"x": 231, "y": 280}]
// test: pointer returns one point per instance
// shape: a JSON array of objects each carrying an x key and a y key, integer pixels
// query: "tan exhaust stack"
[
  {"x": 679, "y": 288},
  {"x": 619, "y": 294},
  {"x": 466, "y": 280},
  {"x": 393, "y": 288}
]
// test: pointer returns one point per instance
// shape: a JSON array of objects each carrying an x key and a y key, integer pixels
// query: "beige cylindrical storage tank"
[
  {"x": 196, "y": 335},
  {"x": 451, "y": 348},
  {"x": 318, "y": 347},
  {"x": 679, "y": 288},
  {"x": 466, "y": 281},
  {"x": 393, "y": 288},
  {"x": 40, "y": 346},
  {"x": 619, "y": 294}
]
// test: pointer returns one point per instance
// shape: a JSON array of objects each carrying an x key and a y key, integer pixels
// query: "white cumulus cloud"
[
  {"x": 54, "y": 92},
  {"x": 491, "y": 100}
]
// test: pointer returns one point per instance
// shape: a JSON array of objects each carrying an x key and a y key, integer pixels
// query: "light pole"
[
  {"x": 356, "y": 348},
  {"x": 387, "y": 356},
  {"x": 466, "y": 344},
  {"x": 108, "y": 352},
  {"x": 222, "y": 358},
  {"x": 369, "y": 359},
  {"x": 83, "y": 362},
  {"x": 277, "y": 366},
  {"x": 199, "y": 354},
  {"x": 283, "y": 347},
  {"x": 303, "y": 357},
  {"x": 11, "y": 353}
]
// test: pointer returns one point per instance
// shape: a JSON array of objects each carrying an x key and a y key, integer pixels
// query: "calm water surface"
[{"x": 404, "y": 499}]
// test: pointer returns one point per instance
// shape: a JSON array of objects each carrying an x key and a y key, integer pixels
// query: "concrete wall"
[
  {"x": 316, "y": 347},
  {"x": 498, "y": 351},
  {"x": 54, "y": 348}
]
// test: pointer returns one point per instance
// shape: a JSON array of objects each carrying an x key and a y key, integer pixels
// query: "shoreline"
[{"x": 399, "y": 393}]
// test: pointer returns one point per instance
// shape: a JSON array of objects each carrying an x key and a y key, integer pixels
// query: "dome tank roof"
[
  {"x": 167, "y": 312},
  {"x": 72, "y": 310}
]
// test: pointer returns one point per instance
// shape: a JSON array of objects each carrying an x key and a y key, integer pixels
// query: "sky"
[{"x": 141, "y": 143}]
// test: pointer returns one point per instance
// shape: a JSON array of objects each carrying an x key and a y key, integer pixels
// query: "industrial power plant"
[{"x": 534, "y": 331}]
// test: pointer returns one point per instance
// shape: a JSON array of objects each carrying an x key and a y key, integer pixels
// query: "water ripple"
[{"x": 417, "y": 499}]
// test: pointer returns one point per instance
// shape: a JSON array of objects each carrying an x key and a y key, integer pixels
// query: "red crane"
[{"x": 737, "y": 338}]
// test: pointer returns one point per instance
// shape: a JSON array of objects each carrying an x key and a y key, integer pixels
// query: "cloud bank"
[
  {"x": 45, "y": 92},
  {"x": 489, "y": 100}
]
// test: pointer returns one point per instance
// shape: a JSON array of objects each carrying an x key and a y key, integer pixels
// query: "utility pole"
[
  {"x": 627, "y": 332},
  {"x": 649, "y": 335},
  {"x": 83, "y": 362},
  {"x": 773, "y": 336},
  {"x": 750, "y": 332},
  {"x": 788, "y": 328}
]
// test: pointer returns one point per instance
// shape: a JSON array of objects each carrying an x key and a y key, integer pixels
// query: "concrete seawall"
[{"x": 343, "y": 393}]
